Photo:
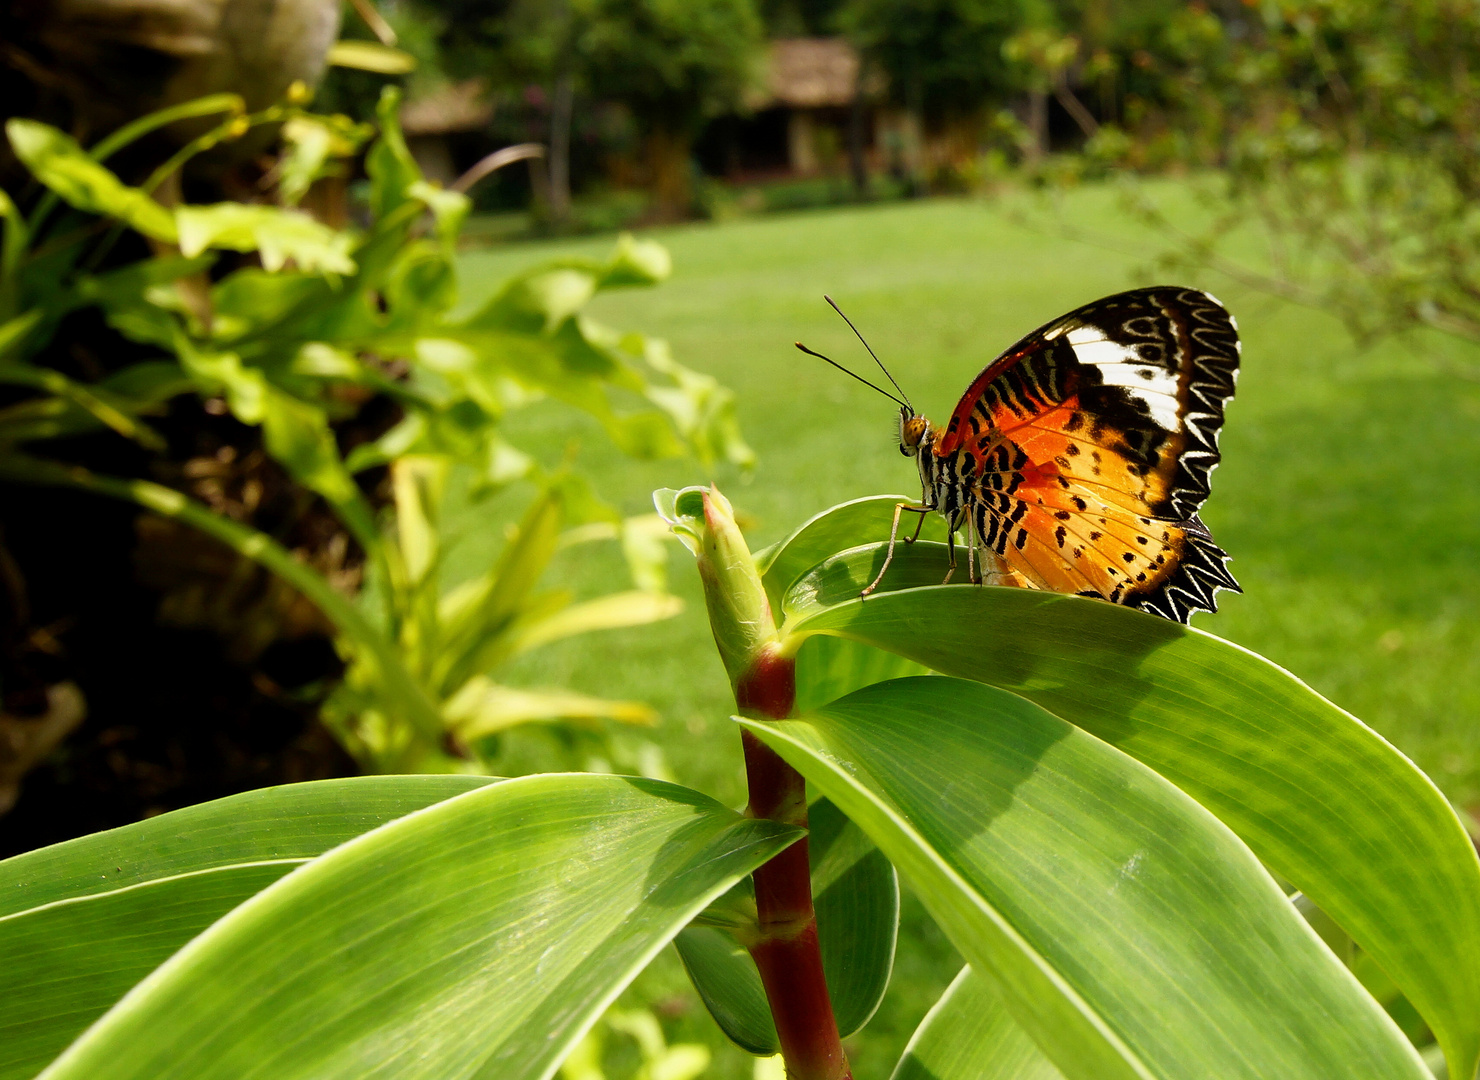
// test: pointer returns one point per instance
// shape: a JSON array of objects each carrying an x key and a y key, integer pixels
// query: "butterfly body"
[{"x": 1077, "y": 460}]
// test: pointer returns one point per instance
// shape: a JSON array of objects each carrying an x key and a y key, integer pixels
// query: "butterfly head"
[{"x": 914, "y": 431}]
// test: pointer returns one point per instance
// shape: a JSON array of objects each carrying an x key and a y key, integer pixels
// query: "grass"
[{"x": 1349, "y": 494}]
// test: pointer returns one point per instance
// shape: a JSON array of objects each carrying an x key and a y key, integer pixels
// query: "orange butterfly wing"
[{"x": 1090, "y": 444}]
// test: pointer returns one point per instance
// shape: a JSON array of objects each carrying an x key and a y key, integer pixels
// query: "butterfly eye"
[{"x": 911, "y": 433}]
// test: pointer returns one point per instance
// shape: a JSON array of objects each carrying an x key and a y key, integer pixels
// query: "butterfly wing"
[{"x": 1092, "y": 443}]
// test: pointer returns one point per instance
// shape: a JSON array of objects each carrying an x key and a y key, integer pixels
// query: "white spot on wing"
[
  {"x": 1088, "y": 335},
  {"x": 1153, "y": 386}
]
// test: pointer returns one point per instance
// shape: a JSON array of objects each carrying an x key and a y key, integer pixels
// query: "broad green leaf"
[
  {"x": 829, "y": 667},
  {"x": 1320, "y": 797},
  {"x": 277, "y": 235},
  {"x": 1130, "y": 932},
  {"x": 286, "y": 822},
  {"x": 856, "y": 898},
  {"x": 823, "y": 535},
  {"x": 969, "y": 1035},
  {"x": 83, "y": 921},
  {"x": 57, "y": 161},
  {"x": 730, "y": 986},
  {"x": 479, "y": 937}
]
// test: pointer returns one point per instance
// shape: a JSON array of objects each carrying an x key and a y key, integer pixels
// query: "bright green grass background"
[{"x": 1349, "y": 496}]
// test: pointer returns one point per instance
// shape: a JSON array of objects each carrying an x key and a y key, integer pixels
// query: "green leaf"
[
  {"x": 391, "y": 167},
  {"x": 479, "y": 937},
  {"x": 449, "y": 209},
  {"x": 730, "y": 986},
  {"x": 829, "y": 667},
  {"x": 13, "y": 332},
  {"x": 831, "y": 531},
  {"x": 636, "y": 262},
  {"x": 476, "y": 616},
  {"x": 969, "y": 1035},
  {"x": 481, "y": 708},
  {"x": 1131, "y": 933},
  {"x": 186, "y": 110},
  {"x": 856, "y": 896},
  {"x": 1321, "y": 798},
  {"x": 611, "y": 612},
  {"x": 297, "y": 434},
  {"x": 57, "y": 161},
  {"x": 277, "y": 235},
  {"x": 700, "y": 408},
  {"x": 856, "y": 899},
  {"x": 83, "y": 921},
  {"x": 371, "y": 56}
]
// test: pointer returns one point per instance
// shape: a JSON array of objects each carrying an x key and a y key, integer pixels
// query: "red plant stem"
[{"x": 787, "y": 953}]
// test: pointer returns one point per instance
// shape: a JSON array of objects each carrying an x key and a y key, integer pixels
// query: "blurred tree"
[
  {"x": 674, "y": 64},
  {"x": 1348, "y": 134},
  {"x": 800, "y": 18},
  {"x": 944, "y": 58},
  {"x": 515, "y": 43}
]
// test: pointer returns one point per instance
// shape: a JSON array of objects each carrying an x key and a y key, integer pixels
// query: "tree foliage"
[
  {"x": 943, "y": 57},
  {"x": 1347, "y": 135}
]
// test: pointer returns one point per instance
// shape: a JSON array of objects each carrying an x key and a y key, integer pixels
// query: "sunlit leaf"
[
  {"x": 456, "y": 941},
  {"x": 481, "y": 708},
  {"x": 57, "y": 161},
  {"x": 277, "y": 235},
  {"x": 1322, "y": 799},
  {"x": 609, "y": 612},
  {"x": 83, "y": 921},
  {"x": 1130, "y": 932},
  {"x": 969, "y": 1035},
  {"x": 371, "y": 56}
]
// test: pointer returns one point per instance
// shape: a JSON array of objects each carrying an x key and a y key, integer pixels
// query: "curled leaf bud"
[{"x": 739, "y": 611}]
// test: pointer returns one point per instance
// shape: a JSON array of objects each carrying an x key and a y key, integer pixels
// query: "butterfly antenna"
[
  {"x": 860, "y": 378},
  {"x": 906, "y": 402}
]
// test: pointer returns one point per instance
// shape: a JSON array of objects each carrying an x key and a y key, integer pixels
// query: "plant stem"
[{"x": 786, "y": 952}]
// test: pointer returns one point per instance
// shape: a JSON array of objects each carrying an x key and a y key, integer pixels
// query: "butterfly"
[{"x": 1077, "y": 461}]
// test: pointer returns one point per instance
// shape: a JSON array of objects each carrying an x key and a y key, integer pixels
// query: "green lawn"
[{"x": 1349, "y": 496}]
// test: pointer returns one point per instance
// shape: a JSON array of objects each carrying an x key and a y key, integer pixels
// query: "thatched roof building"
[{"x": 809, "y": 73}]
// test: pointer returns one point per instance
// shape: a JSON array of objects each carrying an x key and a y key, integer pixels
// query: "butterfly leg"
[
  {"x": 899, "y": 508},
  {"x": 919, "y": 524},
  {"x": 951, "y": 546}
]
